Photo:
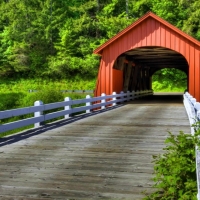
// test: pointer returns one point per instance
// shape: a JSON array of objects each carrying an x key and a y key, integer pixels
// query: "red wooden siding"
[
  {"x": 150, "y": 30},
  {"x": 117, "y": 81}
]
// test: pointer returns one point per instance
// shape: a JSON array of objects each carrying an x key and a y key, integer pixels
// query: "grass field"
[
  {"x": 157, "y": 87},
  {"x": 23, "y": 85}
]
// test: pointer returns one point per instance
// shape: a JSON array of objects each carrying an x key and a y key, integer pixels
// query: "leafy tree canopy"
[{"x": 56, "y": 38}]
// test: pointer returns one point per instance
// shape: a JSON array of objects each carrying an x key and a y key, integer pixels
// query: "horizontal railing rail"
[
  {"x": 70, "y": 91},
  {"x": 90, "y": 104},
  {"x": 193, "y": 110}
]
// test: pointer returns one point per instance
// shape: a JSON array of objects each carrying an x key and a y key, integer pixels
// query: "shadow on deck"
[{"x": 161, "y": 98}]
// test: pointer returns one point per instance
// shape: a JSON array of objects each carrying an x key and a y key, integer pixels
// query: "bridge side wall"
[
  {"x": 149, "y": 32},
  {"x": 117, "y": 80}
]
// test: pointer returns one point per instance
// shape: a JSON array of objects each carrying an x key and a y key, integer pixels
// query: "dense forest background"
[{"x": 55, "y": 38}]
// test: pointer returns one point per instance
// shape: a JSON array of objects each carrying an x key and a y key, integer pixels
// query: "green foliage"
[
  {"x": 191, "y": 24},
  {"x": 23, "y": 85},
  {"x": 9, "y": 100},
  {"x": 47, "y": 95},
  {"x": 173, "y": 11},
  {"x": 14, "y": 94},
  {"x": 175, "y": 169},
  {"x": 171, "y": 79},
  {"x": 55, "y": 39},
  {"x": 139, "y": 8},
  {"x": 108, "y": 27}
]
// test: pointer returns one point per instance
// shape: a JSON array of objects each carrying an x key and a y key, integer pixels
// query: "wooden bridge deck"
[{"x": 104, "y": 156}]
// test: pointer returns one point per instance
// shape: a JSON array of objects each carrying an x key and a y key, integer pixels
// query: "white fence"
[
  {"x": 193, "y": 111},
  {"x": 70, "y": 91},
  {"x": 90, "y": 104}
]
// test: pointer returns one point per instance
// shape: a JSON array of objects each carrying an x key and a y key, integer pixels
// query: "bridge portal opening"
[
  {"x": 138, "y": 65},
  {"x": 169, "y": 80}
]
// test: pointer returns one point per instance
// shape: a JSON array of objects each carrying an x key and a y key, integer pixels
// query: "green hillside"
[{"x": 54, "y": 40}]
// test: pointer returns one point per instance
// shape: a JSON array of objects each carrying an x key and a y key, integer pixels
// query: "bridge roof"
[{"x": 99, "y": 50}]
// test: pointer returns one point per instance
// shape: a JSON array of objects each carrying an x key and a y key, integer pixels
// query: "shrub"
[
  {"x": 10, "y": 100},
  {"x": 47, "y": 95},
  {"x": 175, "y": 169}
]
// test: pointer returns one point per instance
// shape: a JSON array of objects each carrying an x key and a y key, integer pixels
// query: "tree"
[
  {"x": 192, "y": 24},
  {"x": 57, "y": 38},
  {"x": 172, "y": 11},
  {"x": 169, "y": 79}
]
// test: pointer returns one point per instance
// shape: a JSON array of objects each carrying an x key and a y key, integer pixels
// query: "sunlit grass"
[
  {"x": 159, "y": 87},
  {"x": 24, "y": 85}
]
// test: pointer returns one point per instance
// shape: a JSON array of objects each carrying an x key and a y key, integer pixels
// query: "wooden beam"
[
  {"x": 119, "y": 63},
  {"x": 130, "y": 86},
  {"x": 135, "y": 77},
  {"x": 127, "y": 76},
  {"x": 144, "y": 79},
  {"x": 157, "y": 57}
]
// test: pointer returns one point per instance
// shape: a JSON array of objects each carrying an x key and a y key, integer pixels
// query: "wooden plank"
[
  {"x": 20, "y": 111},
  {"x": 20, "y": 123},
  {"x": 127, "y": 76},
  {"x": 135, "y": 77},
  {"x": 57, "y": 105},
  {"x": 79, "y": 101},
  {"x": 53, "y": 115},
  {"x": 107, "y": 155},
  {"x": 119, "y": 63}
]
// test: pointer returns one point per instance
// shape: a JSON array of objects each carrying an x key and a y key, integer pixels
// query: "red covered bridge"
[
  {"x": 130, "y": 58},
  {"x": 104, "y": 155}
]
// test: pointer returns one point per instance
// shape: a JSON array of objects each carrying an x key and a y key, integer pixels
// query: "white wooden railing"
[
  {"x": 90, "y": 104},
  {"x": 70, "y": 91},
  {"x": 193, "y": 110}
]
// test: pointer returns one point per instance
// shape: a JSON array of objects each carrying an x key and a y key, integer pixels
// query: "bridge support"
[
  {"x": 135, "y": 77},
  {"x": 125, "y": 76}
]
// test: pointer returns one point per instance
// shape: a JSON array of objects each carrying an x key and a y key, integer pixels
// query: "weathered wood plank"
[{"x": 106, "y": 156}]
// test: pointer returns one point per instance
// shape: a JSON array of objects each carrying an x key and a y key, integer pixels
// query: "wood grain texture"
[{"x": 106, "y": 156}]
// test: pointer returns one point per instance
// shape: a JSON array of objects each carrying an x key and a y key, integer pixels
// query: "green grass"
[
  {"x": 158, "y": 87},
  {"x": 23, "y": 85},
  {"x": 14, "y": 94},
  {"x": 169, "y": 89}
]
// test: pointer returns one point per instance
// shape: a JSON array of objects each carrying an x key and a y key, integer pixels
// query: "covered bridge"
[{"x": 130, "y": 58}]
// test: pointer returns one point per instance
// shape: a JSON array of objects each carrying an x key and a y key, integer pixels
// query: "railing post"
[
  {"x": 88, "y": 103},
  {"x": 133, "y": 95},
  {"x": 68, "y": 107},
  {"x": 128, "y": 96},
  {"x": 114, "y": 98},
  {"x": 142, "y": 93},
  {"x": 38, "y": 114},
  {"x": 139, "y": 92},
  {"x": 197, "y": 107},
  {"x": 136, "y": 95},
  {"x": 122, "y": 97},
  {"x": 193, "y": 110},
  {"x": 103, "y": 100},
  {"x": 193, "y": 100}
]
